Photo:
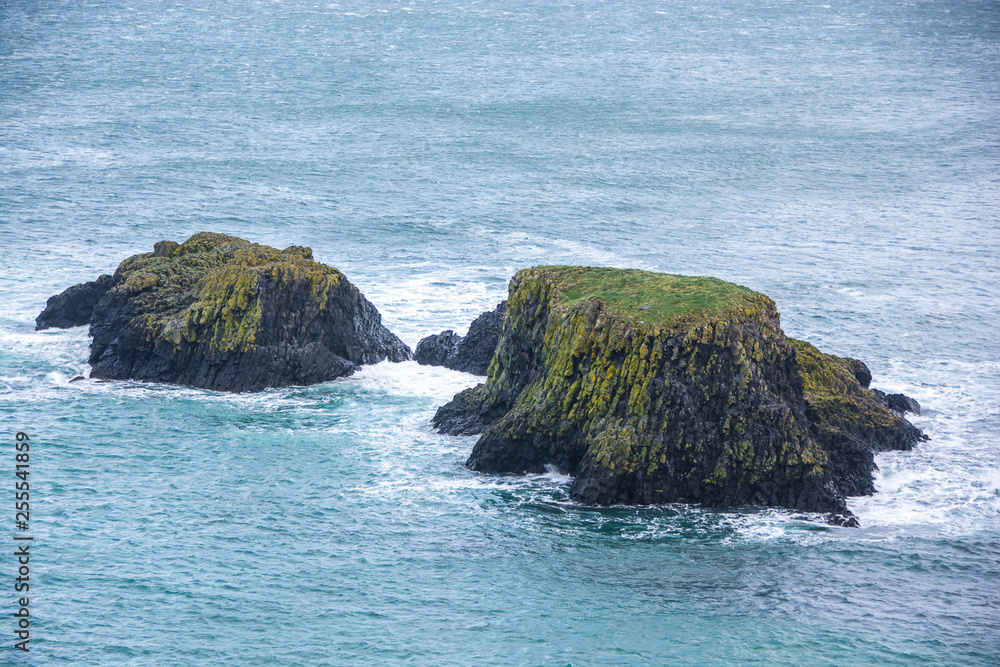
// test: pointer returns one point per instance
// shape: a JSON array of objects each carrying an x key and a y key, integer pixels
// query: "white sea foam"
[
  {"x": 64, "y": 350},
  {"x": 949, "y": 482},
  {"x": 418, "y": 305},
  {"x": 410, "y": 379},
  {"x": 528, "y": 249}
]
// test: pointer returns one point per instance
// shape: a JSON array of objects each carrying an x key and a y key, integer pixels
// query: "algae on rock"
[
  {"x": 219, "y": 312},
  {"x": 650, "y": 388}
]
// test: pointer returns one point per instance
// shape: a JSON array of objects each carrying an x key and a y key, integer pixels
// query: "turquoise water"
[{"x": 843, "y": 158}]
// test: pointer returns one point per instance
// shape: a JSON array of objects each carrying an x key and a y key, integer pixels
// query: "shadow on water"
[{"x": 545, "y": 502}]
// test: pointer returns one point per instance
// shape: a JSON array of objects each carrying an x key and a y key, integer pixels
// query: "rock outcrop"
[
  {"x": 653, "y": 388},
  {"x": 74, "y": 306},
  {"x": 898, "y": 402},
  {"x": 219, "y": 312},
  {"x": 471, "y": 353},
  {"x": 849, "y": 421}
]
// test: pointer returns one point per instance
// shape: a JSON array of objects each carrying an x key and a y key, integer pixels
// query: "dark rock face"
[
  {"x": 74, "y": 306},
  {"x": 711, "y": 405},
  {"x": 462, "y": 415},
  {"x": 899, "y": 403},
  {"x": 437, "y": 349},
  {"x": 471, "y": 353},
  {"x": 860, "y": 370},
  {"x": 222, "y": 313}
]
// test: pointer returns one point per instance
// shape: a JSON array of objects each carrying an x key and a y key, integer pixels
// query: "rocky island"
[
  {"x": 655, "y": 388},
  {"x": 219, "y": 312}
]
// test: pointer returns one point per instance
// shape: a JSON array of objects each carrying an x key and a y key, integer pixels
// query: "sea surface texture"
[{"x": 843, "y": 158}]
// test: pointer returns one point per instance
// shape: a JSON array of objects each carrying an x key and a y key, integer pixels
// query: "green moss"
[
  {"x": 823, "y": 375},
  {"x": 835, "y": 397},
  {"x": 653, "y": 298},
  {"x": 207, "y": 290}
]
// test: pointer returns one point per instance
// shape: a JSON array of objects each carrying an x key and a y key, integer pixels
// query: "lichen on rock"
[
  {"x": 654, "y": 388},
  {"x": 850, "y": 421},
  {"x": 223, "y": 313}
]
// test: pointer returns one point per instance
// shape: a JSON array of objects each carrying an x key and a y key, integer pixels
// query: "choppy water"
[{"x": 843, "y": 158}]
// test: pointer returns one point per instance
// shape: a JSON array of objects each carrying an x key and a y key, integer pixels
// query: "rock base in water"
[
  {"x": 74, "y": 306},
  {"x": 471, "y": 353}
]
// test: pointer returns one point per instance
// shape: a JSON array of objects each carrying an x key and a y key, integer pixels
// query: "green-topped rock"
[
  {"x": 657, "y": 299},
  {"x": 223, "y": 313},
  {"x": 654, "y": 388}
]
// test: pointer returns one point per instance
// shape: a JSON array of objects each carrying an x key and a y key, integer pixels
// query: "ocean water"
[{"x": 843, "y": 158}]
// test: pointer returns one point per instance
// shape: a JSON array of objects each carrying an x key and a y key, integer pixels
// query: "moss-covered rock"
[
  {"x": 653, "y": 388},
  {"x": 219, "y": 312},
  {"x": 850, "y": 421}
]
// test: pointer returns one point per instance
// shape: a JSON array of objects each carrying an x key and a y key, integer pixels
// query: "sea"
[{"x": 841, "y": 156}]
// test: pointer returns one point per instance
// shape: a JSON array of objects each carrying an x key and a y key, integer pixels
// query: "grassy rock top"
[
  {"x": 657, "y": 299},
  {"x": 206, "y": 290},
  {"x": 690, "y": 400}
]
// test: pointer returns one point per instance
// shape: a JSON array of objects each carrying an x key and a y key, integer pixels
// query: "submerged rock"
[
  {"x": 219, "y": 312},
  {"x": 471, "y": 353},
  {"x": 654, "y": 388}
]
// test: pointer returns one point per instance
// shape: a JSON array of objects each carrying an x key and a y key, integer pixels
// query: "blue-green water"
[{"x": 843, "y": 158}]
